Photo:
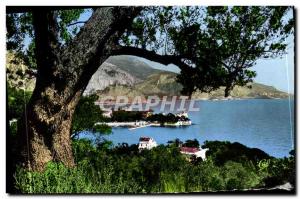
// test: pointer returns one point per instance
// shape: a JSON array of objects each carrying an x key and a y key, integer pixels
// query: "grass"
[{"x": 161, "y": 170}]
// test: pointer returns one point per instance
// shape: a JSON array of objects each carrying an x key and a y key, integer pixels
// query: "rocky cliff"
[{"x": 109, "y": 74}]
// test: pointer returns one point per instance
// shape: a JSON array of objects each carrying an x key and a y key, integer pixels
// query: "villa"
[
  {"x": 198, "y": 152},
  {"x": 107, "y": 114},
  {"x": 183, "y": 121},
  {"x": 147, "y": 143},
  {"x": 182, "y": 114}
]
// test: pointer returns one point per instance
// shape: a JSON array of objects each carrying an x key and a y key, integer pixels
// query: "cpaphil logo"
[{"x": 176, "y": 103}]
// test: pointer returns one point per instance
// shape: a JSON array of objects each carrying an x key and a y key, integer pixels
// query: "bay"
[{"x": 267, "y": 124}]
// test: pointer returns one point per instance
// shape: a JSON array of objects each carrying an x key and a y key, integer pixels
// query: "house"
[
  {"x": 198, "y": 152},
  {"x": 146, "y": 114},
  {"x": 146, "y": 143},
  {"x": 140, "y": 123},
  {"x": 182, "y": 114},
  {"x": 107, "y": 114},
  {"x": 180, "y": 122},
  {"x": 184, "y": 121}
]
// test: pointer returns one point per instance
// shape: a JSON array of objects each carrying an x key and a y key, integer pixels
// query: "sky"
[{"x": 277, "y": 72}]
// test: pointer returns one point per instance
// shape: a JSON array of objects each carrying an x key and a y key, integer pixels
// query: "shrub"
[{"x": 124, "y": 169}]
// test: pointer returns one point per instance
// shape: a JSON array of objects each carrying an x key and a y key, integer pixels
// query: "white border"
[{"x": 4, "y": 3}]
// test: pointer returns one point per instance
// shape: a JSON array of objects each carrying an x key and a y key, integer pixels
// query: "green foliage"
[
  {"x": 215, "y": 45},
  {"x": 20, "y": 30},
  {"x": 17, "y": 100},
  {"x": 86, "y": 115},
  {"x": 13, "y": 128},
  {"x": 222, "y": 152},
  {"x": 17, "y": 27},
  {"x": 162, "y": 119},
  {"x": 163, "y": 169},
  {"x": 238, "y": 176},
  {"x": 30, "y": 56},
  {"x": 67, "y": 17},
  {"x": 191, "y": 143},
  {"x": 126, "y": 116},
  {"x": 278, "y": 171}
]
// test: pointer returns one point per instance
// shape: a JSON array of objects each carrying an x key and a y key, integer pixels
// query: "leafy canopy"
[
  {"x": 86, "y": 115},
  {"x": 213, "y": 46},
  {"x": 20, "y": 33}
]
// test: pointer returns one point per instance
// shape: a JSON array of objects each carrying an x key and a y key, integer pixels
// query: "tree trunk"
[
  {"x": 227, "y": 91},
  {"x": 63, "y": 74},
  {"x": 229, "y": 85},
  {"x": 46, "y": 129}
]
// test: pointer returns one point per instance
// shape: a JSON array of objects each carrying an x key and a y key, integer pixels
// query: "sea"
[{"x": 266, "y": 124}]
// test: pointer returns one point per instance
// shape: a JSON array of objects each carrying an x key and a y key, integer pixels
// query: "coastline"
[{"x": 140, "y": 124}]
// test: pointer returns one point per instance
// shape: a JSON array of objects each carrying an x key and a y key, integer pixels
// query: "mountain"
[
  {"x": 109, "y": 74},
  {"x": 130, "y": 76},
  {"x": 164, "y": 84},
  {"x": 119, "y": 70},
  {"x": 133, "y": 65},
  {"x": 257, "y": 91}
]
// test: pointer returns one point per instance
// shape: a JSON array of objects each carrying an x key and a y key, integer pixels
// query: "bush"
[
  {"x": 239, "y": 177},
  {"x": 163, "y": 169}
]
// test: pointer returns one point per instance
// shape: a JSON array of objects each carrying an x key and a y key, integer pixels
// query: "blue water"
[{"x": 266, "y": 124}]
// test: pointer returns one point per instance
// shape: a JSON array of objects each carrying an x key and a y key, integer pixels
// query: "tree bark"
[
  {"x": 63, "y": 74},
  {"x": 228, "y": 89}
]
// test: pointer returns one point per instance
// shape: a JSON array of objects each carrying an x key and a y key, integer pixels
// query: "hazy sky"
[{"x": 277, "y": 72}]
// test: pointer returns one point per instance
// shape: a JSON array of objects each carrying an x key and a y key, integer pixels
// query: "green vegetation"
[
  {"x": 132, "y": 116},
  {"x": 103, "y": 169},
  {"x": 213, "y": 47},
  {"x": 163, "y": 169},
  {"x": 123, "y": 169},
  {"x": 127, "y": 116},
  {"x": 169, "y": 118},
  {"x": 17, "y": 100},
  {"x": 86, "y": 115}
]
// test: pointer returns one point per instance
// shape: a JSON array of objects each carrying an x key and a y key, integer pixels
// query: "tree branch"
[
  {"x": 151, "y": 55},
  {"x": 94, "y": 43},
  {"x": 77, "y": 22}
]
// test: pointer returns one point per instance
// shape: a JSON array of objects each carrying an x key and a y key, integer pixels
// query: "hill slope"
[
  {"x": 109, "y": 74},
  {"x": 164, "y": 83},
  {"x": 132, "y": 65},
  {"x": 130, "y": 76}
]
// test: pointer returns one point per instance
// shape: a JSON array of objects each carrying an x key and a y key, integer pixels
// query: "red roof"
[
  {"x": 189, "y": 149},
  {"x": 145, "y": 139}
]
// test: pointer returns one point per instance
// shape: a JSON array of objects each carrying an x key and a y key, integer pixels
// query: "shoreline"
[
  {"x": 211, "y": 99},
  {"x": 135, "y": 125}
]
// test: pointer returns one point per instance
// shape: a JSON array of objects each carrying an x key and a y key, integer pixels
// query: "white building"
[
  {"x": 179, "y": 123},
  {"x": 107, "y": 114},
  {"x": 198, "y": 152},
  {"x": 183, "y": 123},
  {"x": 147, "y": 143},
  {"x": 184, "y": 114}
]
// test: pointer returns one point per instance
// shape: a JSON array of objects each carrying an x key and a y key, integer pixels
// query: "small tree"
[{"x": 86, "y": 115}]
